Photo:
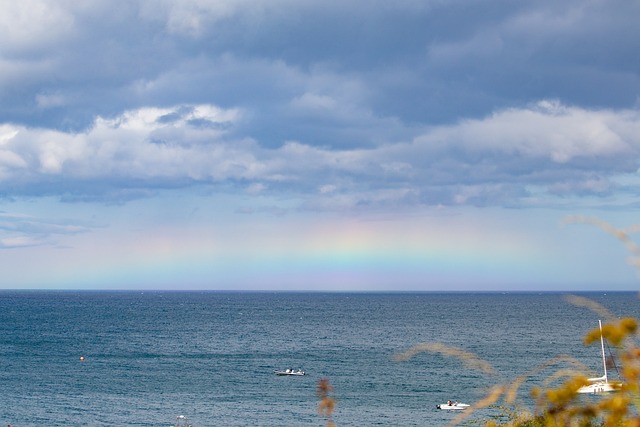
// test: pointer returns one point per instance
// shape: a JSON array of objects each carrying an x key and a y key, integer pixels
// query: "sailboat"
[{"x": 599, "y": 384}]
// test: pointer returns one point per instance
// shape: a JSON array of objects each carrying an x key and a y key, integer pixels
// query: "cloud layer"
[
  {"x": 515, "y": 157},
  {"x": 429, "y": 102}
]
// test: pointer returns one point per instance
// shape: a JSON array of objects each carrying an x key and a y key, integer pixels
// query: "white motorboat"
[
  {"x": 453, "y": 406},
  {"x": 599, "y": 384},
  {"x": 292, "y": 372},
  {"x": 181, "y": 421}
]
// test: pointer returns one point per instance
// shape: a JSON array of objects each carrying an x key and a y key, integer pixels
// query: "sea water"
[{"x": 142, "y": 358}]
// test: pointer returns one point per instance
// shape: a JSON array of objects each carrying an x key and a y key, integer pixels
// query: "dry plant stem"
[
  {"x": 466, "y": 357},
  {"x": 591, "y": 305},
  {"x": 620, "y": 234},
  {"x": 492, "y": 397}
]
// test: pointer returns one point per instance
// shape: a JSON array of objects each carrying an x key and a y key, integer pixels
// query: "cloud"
[
  {"x": 423, "y": 102},
  {"x": 549, "y": 145},
  {"x": 422, "y": 63},
  {"x": 33, "y": 25},
  {"x": 20, "y": 230},
  {"x": 194, "y": 18},
  {"x": 557, "y": 149},
  {"x": 548, "y": 130},
  {"x": 19, "y": 242}
]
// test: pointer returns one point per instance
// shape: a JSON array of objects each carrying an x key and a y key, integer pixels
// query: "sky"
[{"x": 431, "y": 145}]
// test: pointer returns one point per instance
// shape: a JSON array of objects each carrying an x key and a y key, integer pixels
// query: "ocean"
[{"x": 84, "y": 358}]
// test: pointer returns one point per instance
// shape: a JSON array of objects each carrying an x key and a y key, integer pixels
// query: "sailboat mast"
[{"x": 604, "y": 361}]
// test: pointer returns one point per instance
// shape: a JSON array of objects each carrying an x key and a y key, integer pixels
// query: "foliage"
[
  {"x": 327, "y": 402},
  {"x": 563, "y": 406}
]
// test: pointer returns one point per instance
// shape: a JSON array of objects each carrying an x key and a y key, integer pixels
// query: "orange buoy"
[{"x": 81, "y": 357}]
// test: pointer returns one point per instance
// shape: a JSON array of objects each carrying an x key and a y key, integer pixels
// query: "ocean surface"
[{"x": 211, "y": 356}]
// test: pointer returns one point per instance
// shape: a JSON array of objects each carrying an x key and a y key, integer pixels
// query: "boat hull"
[
  {"x": 453, "y": 407},
  {"x": 290, "y": 373},
  {"x": 597, "y": 388}
]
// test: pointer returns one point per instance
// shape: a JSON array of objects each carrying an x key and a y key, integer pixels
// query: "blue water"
[{"x": 150, "y": 356}]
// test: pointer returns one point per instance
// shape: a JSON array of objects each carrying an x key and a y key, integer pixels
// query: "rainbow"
[{"x": 417, "y": 253}]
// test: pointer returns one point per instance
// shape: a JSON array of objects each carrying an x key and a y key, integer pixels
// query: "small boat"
[
  {"x": 181, "y": 421},
  {"x": 599, "y": 384},
  {"x": 292, "y": 372},
  {"x": 453, "y": 406}
]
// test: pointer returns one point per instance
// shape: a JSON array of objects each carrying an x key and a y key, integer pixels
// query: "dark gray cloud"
[{"x": 420, "y": 61}]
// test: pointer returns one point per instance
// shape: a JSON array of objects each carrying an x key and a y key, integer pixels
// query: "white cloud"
[
  {"x": 50, "y": 100},
  {"x": 7, "y": 133},
  {"x": 549, "y": 130},
  {"x": 127, "y": 147},
  {"x": 20, "y": 230},
  {"x": 19, "y": 242},
  {"x": 195, "y": 17},
  {"x": 312, "y": 101},
  {"x": 28, "y": 25},
  {"x": 10, "y": 159},
  {"x": 326, "y": 189},
  {"x": 256, "y": 188}
]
